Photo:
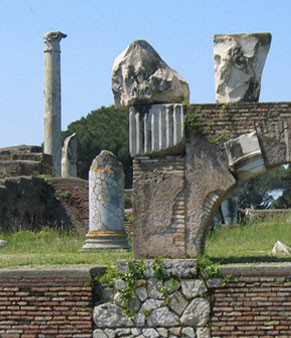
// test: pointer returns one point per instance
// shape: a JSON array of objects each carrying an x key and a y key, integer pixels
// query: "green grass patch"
[
  {"x": 49, "y": 247},
  {"x": 250, "y": 243}
]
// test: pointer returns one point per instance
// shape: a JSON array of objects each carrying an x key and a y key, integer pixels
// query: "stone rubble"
[{"x": 174, "y": 313}]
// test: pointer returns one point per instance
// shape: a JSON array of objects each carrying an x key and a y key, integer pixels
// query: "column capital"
[{"x": 52, "y": 41}]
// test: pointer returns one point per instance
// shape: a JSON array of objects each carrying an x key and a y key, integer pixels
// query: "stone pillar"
[
  {"x": 52, "y": 98},
  {"x": 106, "y": 204},
  {"x": 69, "y": 157}
]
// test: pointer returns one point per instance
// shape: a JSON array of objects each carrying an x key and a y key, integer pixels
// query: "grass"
[
  {"x": 250, "y": 243},
  {"x": 50, "y": 248}
]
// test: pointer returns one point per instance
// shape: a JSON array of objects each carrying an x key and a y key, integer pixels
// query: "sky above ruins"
[{"x": 181, "y": 31}]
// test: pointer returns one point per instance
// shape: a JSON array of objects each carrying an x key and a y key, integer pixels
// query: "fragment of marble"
[
  {"x": 69, "y": 157},
  {"x": 203, "y": 332},
  {"x": 177, "y": 302},
  {"x": 280, "y": 248},
  {"x": 150, "y": 333},
  {"x": 109, "y": 316},
  {"x": 193, "y": 287},
  {"x": 135, "y": 331},
  {"x": 162, "y": 332},
  {"x": 196, "y": 313},
  {"x": 175, "y": 331},
  {"x": 188, "y": 332},
  {"x": 239, "y": 60},
  {"x": 151, "y": 304},
  {"x": 163, "y": 317},
  {"x": 140, "y": 76}
]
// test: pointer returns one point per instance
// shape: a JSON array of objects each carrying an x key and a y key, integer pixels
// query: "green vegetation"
[
  {"x": 50, "y": 247},
  {"x": 250, "y": 243},
  {"x": 103, "y": 129}
]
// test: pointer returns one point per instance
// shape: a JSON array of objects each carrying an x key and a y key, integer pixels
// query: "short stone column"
[
  {"x": 69, "y": 157},
  {"x": 52, "y": 98},
  {"x": 106, "y": 204}
]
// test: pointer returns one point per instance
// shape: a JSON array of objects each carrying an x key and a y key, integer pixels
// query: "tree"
[
  {"x": 284, "y": 201},
  {"x": 104, "y": 128}
]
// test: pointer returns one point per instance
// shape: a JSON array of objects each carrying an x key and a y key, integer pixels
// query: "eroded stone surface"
[
  {"x": 203, "y": 332},
  {"x": 239, "y": 61},
  {"x": 140, "y": 76},
  {"x": 177, "y": 302},
  {"x": 110, "y": 315},
  {"x": 163, "y": 317},
  {"x": 281, "y": 249},
  {"x": 193, "y": 288}
]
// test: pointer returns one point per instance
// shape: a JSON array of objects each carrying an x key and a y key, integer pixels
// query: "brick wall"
[
  {"x": 256, "y": 303},
  {"x": 45, "y": 304}
]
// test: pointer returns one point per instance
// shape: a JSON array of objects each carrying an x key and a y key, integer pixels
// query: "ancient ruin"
[
  {"x": 238, "y": 63},
  {"x": 69, "y": 157},
  {"x": 52, "y": 98},
  {"x": 106, "y": 204}
]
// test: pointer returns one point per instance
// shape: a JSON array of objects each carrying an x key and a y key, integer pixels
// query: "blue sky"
[{"x": 181, "y": 31}]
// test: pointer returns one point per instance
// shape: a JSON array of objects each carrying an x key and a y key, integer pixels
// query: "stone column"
[
  {"x": 52, "y": 98},
  {"x": 69, "y": 157},
  {"x": 106, "y": 204}
]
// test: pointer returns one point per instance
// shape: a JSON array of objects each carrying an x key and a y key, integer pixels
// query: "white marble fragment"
[
  {"x": 238, "y": 63},
  {"x": 69, "y": 157},
  {"x": 193, "y": 287},
  {"x": 140, "y": 76},
  {"x": 196, "y": 313},
  {"x": 280, "y": 248}
]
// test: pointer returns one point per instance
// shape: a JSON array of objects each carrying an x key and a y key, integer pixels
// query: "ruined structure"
[
  {"x": 69, "y": 157},
  {"x": 187, "y": 158},
  {"x": 106, "y": 204},
  {"x": 52, "y": 98}
]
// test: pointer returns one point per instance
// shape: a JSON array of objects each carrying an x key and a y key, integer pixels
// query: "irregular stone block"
[
  {"x": 245, "y": 156},
  {"x": 203, "y": 332},
  {"x": 281, "y": 249},
  {"x": 154, "y": 288},
  {"x": 177, "y": 302},
  {"x": 214, "y": 283},
  {"x": 196, "y": 313},
  {"x": 141, "y": 293},
  {"x": 188, "y": 332},
  {"x": 99, "y": 334},
  {"x": 110, "y": 333},
  {"x": 150, "y": 333},
  {"x": 193, "y": 287},
  {"x": 110, "y": 315},
  {"x": 163, "y": 317},
  {"x": 140, "y": 76},
  {"x": 239, "y": 61}
]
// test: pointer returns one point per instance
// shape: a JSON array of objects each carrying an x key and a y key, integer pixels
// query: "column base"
[{"x": 106, "y": 240}]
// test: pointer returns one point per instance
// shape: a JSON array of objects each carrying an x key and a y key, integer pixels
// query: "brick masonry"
[
  {"x": 256, "y": 303},
  {"x": 45, "y": 304}
]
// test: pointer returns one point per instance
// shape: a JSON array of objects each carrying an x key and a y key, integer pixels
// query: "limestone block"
[
  {"x": 245, "y": 156},
  {"x": 188, "y": 332},
  {"x": 196, "y": 313},
  {"x": 110, "y": 315},
  {"x": 281, "y": 249},
  {"x": 239, "y": 61},
  {"x": 193, "y": 287},
  {"x": 110, "y": 333},
  {"x": 163, "y": 317},
  {"x": 69, "y": 157},
  {"x": 150, "y": 333},
  {"x": 154, "y": 288},
  {"x": 203, "y": 332},
  {"x": 141, "y": 293},
  {"x": 140, "y": 76},
  {"x": 177, "y": 302},
  {"x": 99, "y": 334}
]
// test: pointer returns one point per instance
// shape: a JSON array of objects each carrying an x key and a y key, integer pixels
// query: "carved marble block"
[
  {"x": 106, "y": 204},
  {"x": 52, "y": 99},
  {"x": 69, "y": 157},
  {"x": 238, "y": 63},
  {"x": 140, "y": 76}
]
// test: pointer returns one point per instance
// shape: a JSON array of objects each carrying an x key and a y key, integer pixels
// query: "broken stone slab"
[
  {"x": 245, "y": 157},
  {"x": 238, "y": 63},
  {"x": 281, "y": 249},
  {"x": 140, "y": 77}
]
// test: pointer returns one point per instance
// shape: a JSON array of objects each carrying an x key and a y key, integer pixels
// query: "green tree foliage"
[
  {"x": 254, "y": 192},
  {"x": 104, "y": 128},
  {"x": 284, "y": 201}
]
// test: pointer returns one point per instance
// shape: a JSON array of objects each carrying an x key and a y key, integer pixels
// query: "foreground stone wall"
[{"x": 45, "y": 303}]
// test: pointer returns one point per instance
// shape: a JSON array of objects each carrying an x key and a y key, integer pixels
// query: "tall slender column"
[{"x": 52, "y": 98}]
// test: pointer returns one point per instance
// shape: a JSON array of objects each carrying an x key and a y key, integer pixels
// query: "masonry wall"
[
  {"x": 256, "y": 303},
  {"x": 45, "y": 304}
]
